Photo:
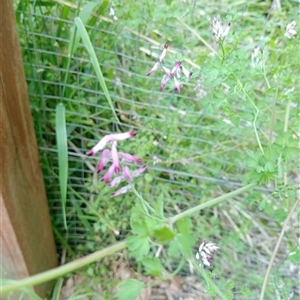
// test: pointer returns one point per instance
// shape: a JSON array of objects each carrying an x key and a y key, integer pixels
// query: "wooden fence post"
[{"x": 26, "y": 237}]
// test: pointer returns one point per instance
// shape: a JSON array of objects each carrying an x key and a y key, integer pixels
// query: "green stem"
[
  {"x": 144, "y": 203},
  {"x": 211, "y": 202},
  {"x": 209, "y": 282},
  {"x": 264, "y": 69},
  {"x": 272, "y": 119},
  {"x": 199, "y": 37},
  {"x": 287, "y": 116},
  {"x": 254, "y": 121},
  {"x": 223, "y": 51},
  {"x": 285, "y": 129},
  {"x": 81, "y": 262},
  {"x": 62, "y": 270},
  {"x": 264, "y": 286},
  {"x": 94, "y": 210}
]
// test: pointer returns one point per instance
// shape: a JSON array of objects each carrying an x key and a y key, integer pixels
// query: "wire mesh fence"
[{"x": 192, "y": 147}]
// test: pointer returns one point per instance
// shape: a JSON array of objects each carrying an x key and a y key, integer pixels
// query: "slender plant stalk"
[
  {"x": 287, "y": 116},
  {"x": 285, "y": 129},
  {"x": 62, "y": 148},
  {"x": 264, "y": 69},
  {"x": 264, "y": 286},
  {"x": 272, "y": 119},
  {"x": 210, "y": 283},
  {"x": 62, "y": 270},
  {"x": 144, "y": 203},
  {"x": 212, "y": 202},
  {"x": 81, "y": 31},
  {"x": 81, "y": 262},
  {"x": 198, "y": 36},
  {"x": 254, "y": 121}
]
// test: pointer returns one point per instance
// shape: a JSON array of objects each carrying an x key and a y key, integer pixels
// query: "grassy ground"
[{"x": 234, "y": 123}]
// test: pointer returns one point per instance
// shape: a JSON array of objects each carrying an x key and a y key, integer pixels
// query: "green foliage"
[
  {"x": 129, "y": 289},
  {"x": 153, "y": 266},
  {"x": 234, "y": 122},
  {"x": 139, "y": 246},
  {"x": 62, "y": 148}
]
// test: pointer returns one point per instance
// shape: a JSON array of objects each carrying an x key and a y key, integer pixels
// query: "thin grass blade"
[
  {"x": 81, "y": 31},
  {"x": 84, "y": 15},
  {"x": 62, "y": 148}
]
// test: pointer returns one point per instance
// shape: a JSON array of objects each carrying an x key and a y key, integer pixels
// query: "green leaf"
[
  {"x": 270, "y": 166},
  {"x": 84, "y": 15},
  {"x": 294, "y": 257},
  {"x": 138, "y": 246},
  {"x": 139, "y": 227},
  {"x": 262, "y": 205},
  {"x": 184, "y": 226},
  {"x": 163, "y": 235},
  {"x": 230, "y": 284},
  {"x": 292, "y": 153},
  {"x": 173, "y": 250},
  {"x": 185, "y": 239},
  {"x": 153, "y": 266},
  {"x": 89, "y": 47},
  {"x": 245, "y": 290},
  {"x": 229, "y": 295},
  {"x": 151, "y": 223},
  {"x": 259, "y": 169},
  {"x": 129, "y": 289},
  {"x": 62, "y": 148},
  {"x": 158, "y": 206},
  {"x": 186, "y": 244}
]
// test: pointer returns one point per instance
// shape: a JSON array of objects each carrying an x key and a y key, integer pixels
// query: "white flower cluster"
[
  {"x": 256, "y": 58},
  {"x": 219, "y": 31},
  {"x": 205, "y": 253},
  {"x": 291, "y": 30}
]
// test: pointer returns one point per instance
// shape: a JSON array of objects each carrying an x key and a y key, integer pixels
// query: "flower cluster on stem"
[
  {"x": 291, "y": 30},
  {"x": 118, "y": 158},
  {"x": 205, "y": 253},
  {"x": 219, "y": 31},
  {"x": 174, "y": 73}
]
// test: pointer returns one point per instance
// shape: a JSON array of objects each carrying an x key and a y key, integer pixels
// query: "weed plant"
[{"x": 222, "y": 155}]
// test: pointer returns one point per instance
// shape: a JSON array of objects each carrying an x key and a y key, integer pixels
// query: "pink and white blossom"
[
  {"x": 206, "y": 252},
  {"x": 118, "y": 160},
  {"x": 129, "y": 177},
  {"x": 175, "y": 73},
  {"x": 108, "y": 139},
  {"x": 219, "y": 31}
]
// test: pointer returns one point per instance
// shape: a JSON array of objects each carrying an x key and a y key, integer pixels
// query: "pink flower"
[
  {"x": 158, "y": 63},
  {"x": 177, "y": 85},
  {"x": 108, "y": 175},
  {"x": 174, "y": 73},
  {"x": 176, "y": 69},
  {"x": 129, "y": 157},
  {"x": 187, "y": 73},
  {"x": 115, "y": 156},
  {"x": 122, "y": 190},
  {"x": 116, "y": 181},
  {"x": 164, "y": 81},
  {"x": 126, "y": 174},
  {"x": 110, "y": 138},
  {"x": 128, "y": 177},
  {"x": 155, "y": 67},
  {"x": 163, "y": 54},
  {"x": 104, "y": 159},
  {"x": 139, "y": 171},
  {"x": 167, "y": 71}
]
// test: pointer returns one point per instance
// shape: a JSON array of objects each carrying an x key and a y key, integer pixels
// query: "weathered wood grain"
[{"x": 27, "y": 243}]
